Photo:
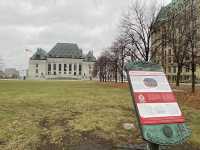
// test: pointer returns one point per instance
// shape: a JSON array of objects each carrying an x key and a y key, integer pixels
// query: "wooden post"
[{"x": 152, "y": 146}]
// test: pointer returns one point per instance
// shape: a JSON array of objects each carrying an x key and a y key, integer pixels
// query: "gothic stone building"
[
  {"x": 63, "y": 61},
  {"x": 165, "y": 53}
]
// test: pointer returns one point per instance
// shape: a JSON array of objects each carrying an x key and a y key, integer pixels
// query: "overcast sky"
[{"x": 29, "y": 24}]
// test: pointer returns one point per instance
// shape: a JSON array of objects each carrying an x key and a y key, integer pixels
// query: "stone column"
[
  {"x": 77, "y": 69},
  {"x": 52, "y": 68},
  {"x": 57, "y": 69},
  {"x": 72, "y": 72}
]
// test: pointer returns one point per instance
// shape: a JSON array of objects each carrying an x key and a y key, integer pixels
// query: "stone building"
[
  {"x": 63, "y": 61},
  {"x": 2, "y": 74},
  {"x": 11, "y": 73},
  {"x": 165, "y": 53}
]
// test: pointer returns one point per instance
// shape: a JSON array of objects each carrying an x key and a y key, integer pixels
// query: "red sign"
[{"x": 154, "y": 98}]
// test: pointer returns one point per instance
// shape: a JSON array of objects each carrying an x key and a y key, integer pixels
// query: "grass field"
[{"x": 41, "y": 115}]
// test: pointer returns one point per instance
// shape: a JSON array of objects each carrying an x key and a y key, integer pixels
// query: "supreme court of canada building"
[{"x": 63, "y": 61}]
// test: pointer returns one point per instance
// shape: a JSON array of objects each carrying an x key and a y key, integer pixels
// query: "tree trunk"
[
  {"x": 192, "y": 43},
  {"x": 193, "y": 75},
  {"x": 147, "y": 56},
  {"x": 116, "y": 74},
  {"x": 178, "y": 76},
  {"x": 152, "y": 146},
  {"x": 122, "y": 77},
  {"x": 100, "y": 76},
  {"x": 193, "y": 82}
]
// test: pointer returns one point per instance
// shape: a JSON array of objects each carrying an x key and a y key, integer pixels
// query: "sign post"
[{"x": 160, "y": 118}]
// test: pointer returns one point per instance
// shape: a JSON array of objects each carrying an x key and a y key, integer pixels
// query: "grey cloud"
[{"x": 93, "y": 24}]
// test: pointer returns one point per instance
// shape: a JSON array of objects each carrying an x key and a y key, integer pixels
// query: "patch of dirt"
[
  {"x": 115, "y": 85},
  {"x": 68, "y": 140},
  {"x": 44, "y": 123},
  {"x": 184, "y": 147},
  {"x": 86, "y": 141},
  {"x": 90, "y": 141},
  {"x": 188, "y": 99},
  {"x": 91, "y": 145}
]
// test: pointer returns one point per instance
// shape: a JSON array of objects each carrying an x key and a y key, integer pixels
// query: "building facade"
[
  {"x": 166, "y": 55},
  {"x": 11, "y": 73},
  {"x": 63, "y": 61}
]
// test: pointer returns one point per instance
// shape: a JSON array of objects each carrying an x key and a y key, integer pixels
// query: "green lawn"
[{"x": 34, "y": 114}]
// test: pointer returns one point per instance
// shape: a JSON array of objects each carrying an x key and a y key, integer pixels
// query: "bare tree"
[
  {"x": 119, "y": 51},
  {"x": 115, "y": 59},
  {"x": 137, "y": 25},
  {"x": 1, "y": 64},
  {"x": 193, "y": 37},
  {"x": 177, "y": 29},
  {"x": 182, "y": 36},
  {"x": 104, "y": 67}
]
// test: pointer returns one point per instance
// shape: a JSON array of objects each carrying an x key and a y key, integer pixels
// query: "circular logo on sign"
[
  {"x": 167, "y": 131},
  {"x": 151, "y": 83},
  {"x": 141, "y": 98}
]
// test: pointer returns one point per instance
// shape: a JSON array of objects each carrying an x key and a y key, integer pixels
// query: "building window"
[
  {"x": 187, "y": 77},
  {"x": 70, "y": 68},
  {"x": 54, "y": 66},
  {"x": 169, "y": 60},
  {"x": 60, "y": 67},
  {"x": 181, "y": 78},
  {"x": 170, "y": 52},
  {"x": 49, "y": 69},
  {"x": 36, "y": 71},
  {"x": 169, "y": 69},
  {"x": 169, "y": 78},
  {"x": 65, "y": 67},
  {"x": 173, "y": 78},
  {"x": 187, "y": 69},
  {"x": 80, "y": 69},
  {"x": 54, "y": 72},
  {"x": 36, "y": 65},
  {"x": 75, "y": 67},
  {"x": 174, "y": 59},
  {"x": 174, "y": 69},
  {"x": 90, "y": 69}
]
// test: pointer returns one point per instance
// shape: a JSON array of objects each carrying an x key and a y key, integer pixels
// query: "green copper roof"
[
  {"x": 40, "y": 54},
  {"x": 162, "y": 15},
  {"x": 90, "y": 57},
  {"x": 65, "y": 50}
]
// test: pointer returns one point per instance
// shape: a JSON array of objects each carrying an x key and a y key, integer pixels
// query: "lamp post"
[{"x": 28, "y": 55}]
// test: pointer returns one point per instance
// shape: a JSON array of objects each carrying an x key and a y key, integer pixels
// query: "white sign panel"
[
  {"x": 149, "y": 110},
  {"x": 138, "y": 84}
]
